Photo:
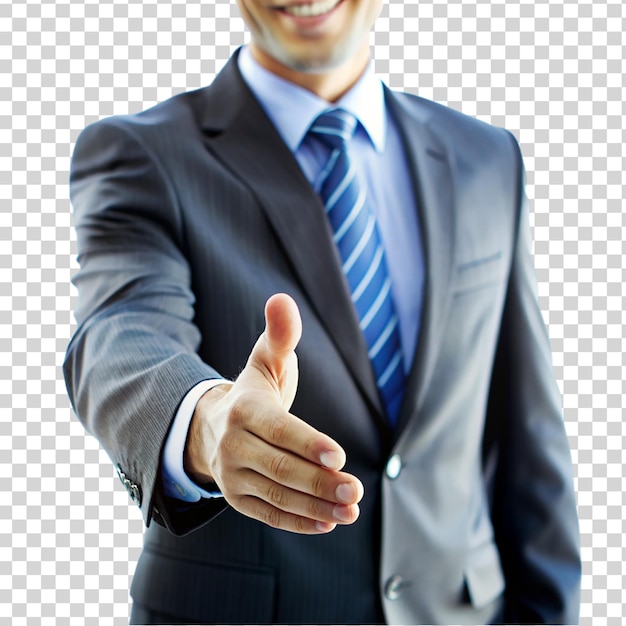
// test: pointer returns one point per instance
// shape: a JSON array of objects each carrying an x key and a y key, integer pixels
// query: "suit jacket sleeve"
[
  {"x": 133, "y": 356},
  {"x": 534, "y": 504}
]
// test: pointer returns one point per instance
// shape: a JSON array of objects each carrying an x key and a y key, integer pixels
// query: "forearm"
[{"x": 126, "y": 382}]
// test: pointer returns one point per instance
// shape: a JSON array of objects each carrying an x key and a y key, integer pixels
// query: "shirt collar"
[{"x": 293, "y": 109}]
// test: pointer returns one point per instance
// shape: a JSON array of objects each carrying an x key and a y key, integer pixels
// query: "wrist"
[{"x": 195, "y": 455}]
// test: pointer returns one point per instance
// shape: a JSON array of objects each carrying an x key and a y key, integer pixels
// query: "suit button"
[
  {"x": 134, "y": 491},
  {"x": 135, "y": 494},
  {"x": 394, "y": 587},
  {"x": 394, "y": 466}
]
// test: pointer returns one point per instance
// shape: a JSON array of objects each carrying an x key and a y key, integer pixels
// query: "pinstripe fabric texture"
[
  {"x": 185, "y": 225},
  {"x": 362, "y": 255}
]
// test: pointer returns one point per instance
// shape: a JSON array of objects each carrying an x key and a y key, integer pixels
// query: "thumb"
[
  {"x": 273, "y": 353},
  {"x": 283, "y": 326}
]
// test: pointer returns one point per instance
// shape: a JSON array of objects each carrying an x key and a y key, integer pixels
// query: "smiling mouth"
[{"x": 310, "y": 9}]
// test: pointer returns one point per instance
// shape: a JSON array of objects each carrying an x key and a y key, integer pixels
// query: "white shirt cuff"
[{"x": 176, "y": 483}]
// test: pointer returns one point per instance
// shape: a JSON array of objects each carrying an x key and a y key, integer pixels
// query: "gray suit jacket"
[{"x": 188, "y": 217}]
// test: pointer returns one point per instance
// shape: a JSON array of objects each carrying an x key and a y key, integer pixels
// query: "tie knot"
[{"x": 335, "y": 127}]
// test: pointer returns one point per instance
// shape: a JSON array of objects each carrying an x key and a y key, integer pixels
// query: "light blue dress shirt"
[{"x": 378, "y": 153}]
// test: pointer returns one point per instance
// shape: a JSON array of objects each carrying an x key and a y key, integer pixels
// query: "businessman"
[{"x": 310, "y": 342}]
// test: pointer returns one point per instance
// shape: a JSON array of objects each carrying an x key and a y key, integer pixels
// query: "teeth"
[{"x": 312, "y": 9}]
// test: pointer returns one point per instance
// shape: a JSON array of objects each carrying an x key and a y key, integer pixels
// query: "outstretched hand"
[{"x": 269, "y": 464}]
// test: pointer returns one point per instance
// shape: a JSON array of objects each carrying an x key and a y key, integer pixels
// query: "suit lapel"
[
  {"x": 433, "y": 186},
  {"x": 241, "y": 136}
]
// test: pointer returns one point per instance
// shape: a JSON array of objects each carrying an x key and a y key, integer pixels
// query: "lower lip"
[{"x": 312, "y": 20}]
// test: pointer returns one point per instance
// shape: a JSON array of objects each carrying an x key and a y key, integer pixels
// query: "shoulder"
[
  {"x": 465, "y": 136},
  {"x": 174, "y": 117},
  {"x": 483, "y": 162},
  {"x": 183, "y": 117},
  {"x": 167, "y": 138}
]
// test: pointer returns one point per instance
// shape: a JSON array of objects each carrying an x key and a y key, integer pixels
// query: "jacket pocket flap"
[
  {"x": 483, "y": 575},
  {"x": 204, "y": 592}
]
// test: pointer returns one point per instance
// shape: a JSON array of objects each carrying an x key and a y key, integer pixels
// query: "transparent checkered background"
[{"x": 550, "y": 71}]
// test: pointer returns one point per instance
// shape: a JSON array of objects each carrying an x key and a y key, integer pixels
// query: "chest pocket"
[{"x": 480, "y": 272}]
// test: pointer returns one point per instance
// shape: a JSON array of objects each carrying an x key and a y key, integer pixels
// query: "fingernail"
[
  {"x": 330, "y": 459},
  {"x": 324, "y": 527},
  {"x": 346, "y": 492},
  {"x": 342, "y": 513}
]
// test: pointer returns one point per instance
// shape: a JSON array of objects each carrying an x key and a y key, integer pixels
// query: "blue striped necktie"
[{"x": 361, "y": 251}]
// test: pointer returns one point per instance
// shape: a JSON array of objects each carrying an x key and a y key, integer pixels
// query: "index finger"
[{"x": 284, "y": 430}]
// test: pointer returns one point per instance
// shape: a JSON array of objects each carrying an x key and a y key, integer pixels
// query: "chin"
[
  {"x": 312, "y": 66},
  {"x": 318, "y": 63}
]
